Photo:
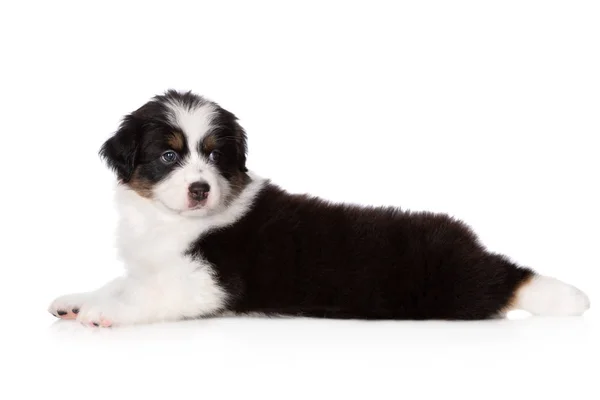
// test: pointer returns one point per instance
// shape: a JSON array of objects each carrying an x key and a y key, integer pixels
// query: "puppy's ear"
[
  {"x": 120, "y": 151},
  {"x": 241, "y": 147}
]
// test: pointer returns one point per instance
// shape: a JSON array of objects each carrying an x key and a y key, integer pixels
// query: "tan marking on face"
[
  {"x": 176, "y": 141},
  {"x": 140, "y": 185},
  {"x": 209, "y": 143}
]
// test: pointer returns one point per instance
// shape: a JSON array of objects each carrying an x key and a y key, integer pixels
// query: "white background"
[{"x": 484, "y": 110}]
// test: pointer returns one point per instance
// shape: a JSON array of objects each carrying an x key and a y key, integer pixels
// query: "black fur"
[
  {"x": 120, "y": 151},
  {"x": 232, "y": 137},
  {"x": 299, "y": 255}
]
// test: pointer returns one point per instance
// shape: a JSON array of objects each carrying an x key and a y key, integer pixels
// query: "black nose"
[{"x": 199, "y": 190}]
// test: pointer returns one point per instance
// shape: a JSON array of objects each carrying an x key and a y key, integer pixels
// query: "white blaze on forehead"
[{"x": 195, "y": 122}]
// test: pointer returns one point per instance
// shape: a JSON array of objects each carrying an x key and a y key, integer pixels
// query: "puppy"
[{"x": 202, "y": 236}]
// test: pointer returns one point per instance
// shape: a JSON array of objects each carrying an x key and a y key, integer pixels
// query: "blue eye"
[
  {"x": 168, "y": 157},
  {"x": 214, "y": 156}
]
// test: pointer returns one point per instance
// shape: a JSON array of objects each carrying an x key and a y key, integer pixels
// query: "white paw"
[
  {"x": 67, "y": 307},
  {"x": 574, "y": 301},
  {"x": 548, "y": 296},
  {"x": 102, "y": 313}
]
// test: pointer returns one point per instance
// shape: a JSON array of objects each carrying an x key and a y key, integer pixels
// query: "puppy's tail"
[{"x": 546, "y": 296}]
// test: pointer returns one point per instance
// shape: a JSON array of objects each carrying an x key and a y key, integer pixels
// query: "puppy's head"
[{"x": 182, "y": 151}]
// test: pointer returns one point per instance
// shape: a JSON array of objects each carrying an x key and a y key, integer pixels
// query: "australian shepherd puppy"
[{"x": 202, "y": 236}]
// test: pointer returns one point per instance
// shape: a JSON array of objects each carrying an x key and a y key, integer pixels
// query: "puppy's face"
[{"x": 182, "y": 151}]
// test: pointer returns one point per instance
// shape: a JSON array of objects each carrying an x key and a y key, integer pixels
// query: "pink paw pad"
[
  {"x": 105, "y": 323},
  {"x": 70, "y": 314}
]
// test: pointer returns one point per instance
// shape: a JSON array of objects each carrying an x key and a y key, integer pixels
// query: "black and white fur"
[{"x": 239, "y": 244}]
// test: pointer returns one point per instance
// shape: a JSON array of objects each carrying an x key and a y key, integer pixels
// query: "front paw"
[
  {"x": 104, "y": 313},
  {"x": 68, "y": 307}
]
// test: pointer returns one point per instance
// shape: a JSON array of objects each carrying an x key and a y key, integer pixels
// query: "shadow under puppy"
[{"x": 200, "y": 235}]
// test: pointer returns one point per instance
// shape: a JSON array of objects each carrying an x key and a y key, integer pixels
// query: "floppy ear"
[
  {"x": 240, "y": 147},
  {"x": 120, "y": 151},
  {"x": 238, "y": 136}
]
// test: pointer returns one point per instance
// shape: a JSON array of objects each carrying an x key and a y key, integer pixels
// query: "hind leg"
[
  {"x": 492, "y": 285},
  {"x": 547, "y": 296}
]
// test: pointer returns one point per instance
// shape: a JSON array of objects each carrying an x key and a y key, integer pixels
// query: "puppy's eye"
[
  {"x": 214, "y": 156},
  {"x": 168, "y": 157}
]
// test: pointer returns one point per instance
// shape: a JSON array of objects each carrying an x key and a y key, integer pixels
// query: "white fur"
[
  {"x": 195, "y": 123},
  {"x": 76, "y": 300},
  {"x": 162, "y": 283},
  {"x": 548, "y": 296},
  {"x": 172, "y": 192}
]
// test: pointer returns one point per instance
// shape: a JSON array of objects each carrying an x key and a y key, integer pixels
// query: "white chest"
[{"x": 151, "y": 240}]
